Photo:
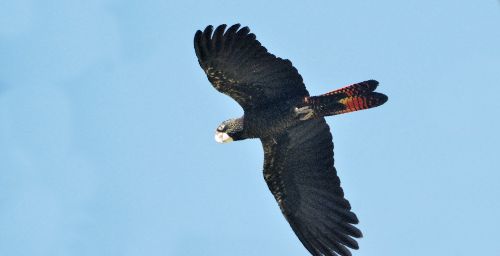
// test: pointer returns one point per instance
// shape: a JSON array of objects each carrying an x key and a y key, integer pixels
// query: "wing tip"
[
  {"x": 209, "y": 35},
  {"x": 197, "y": 41},
  {"x": 351, "y": 230},
  {"x": 208, "y": 29}
]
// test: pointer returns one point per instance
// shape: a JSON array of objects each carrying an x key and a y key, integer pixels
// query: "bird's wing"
[
  {"x": 238, "y": 65},
  {"x": 298, "y": 168}
]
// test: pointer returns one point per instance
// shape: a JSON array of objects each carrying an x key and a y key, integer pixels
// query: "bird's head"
[{"x": 229, "y": 130}]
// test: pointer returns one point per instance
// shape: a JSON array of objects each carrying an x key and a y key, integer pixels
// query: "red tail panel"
[
  {"x": 361, "y": 102},
  {"x": 351, "y": 98}
]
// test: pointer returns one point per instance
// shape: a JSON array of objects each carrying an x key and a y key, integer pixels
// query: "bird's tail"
[{"x": 351, "y": 98}]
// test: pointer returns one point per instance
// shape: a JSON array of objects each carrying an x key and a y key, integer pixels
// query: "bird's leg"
[{"x": 304, "y": 113}]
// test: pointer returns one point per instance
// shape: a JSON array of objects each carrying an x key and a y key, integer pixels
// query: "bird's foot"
[{"x": 304, "y": 113}]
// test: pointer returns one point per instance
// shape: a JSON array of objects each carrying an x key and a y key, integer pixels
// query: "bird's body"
[
  {"x": 298, "y": 148},
  {"x": 271, "y": 120}
]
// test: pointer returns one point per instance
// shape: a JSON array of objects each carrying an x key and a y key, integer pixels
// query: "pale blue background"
[{"x": 107, "y": 122}]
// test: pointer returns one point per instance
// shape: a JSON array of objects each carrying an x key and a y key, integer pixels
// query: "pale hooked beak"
[{"x": 222, "y": 137}]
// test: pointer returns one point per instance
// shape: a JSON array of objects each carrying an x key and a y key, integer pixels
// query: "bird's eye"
[{"x": 221, "y": 128}]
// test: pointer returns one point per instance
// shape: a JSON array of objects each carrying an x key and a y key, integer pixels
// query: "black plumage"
[{"x": 298, "y": 162}]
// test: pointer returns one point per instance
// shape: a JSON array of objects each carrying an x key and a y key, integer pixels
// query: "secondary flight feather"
[{"x": 298, "y": 149}]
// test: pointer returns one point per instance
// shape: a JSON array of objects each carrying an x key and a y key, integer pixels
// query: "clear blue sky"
[{"x": 107, "y": 122}]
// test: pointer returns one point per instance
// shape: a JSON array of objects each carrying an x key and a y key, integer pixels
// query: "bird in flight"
[{"x": 298, "y": 147}]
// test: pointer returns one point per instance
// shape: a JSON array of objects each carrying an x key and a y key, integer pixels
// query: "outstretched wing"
[
  {"x": 238, "y": 65},
  {"x": 298, "y": 168}
]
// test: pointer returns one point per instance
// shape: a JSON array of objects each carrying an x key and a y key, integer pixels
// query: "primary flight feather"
[{"x": 298, "y": 147}]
